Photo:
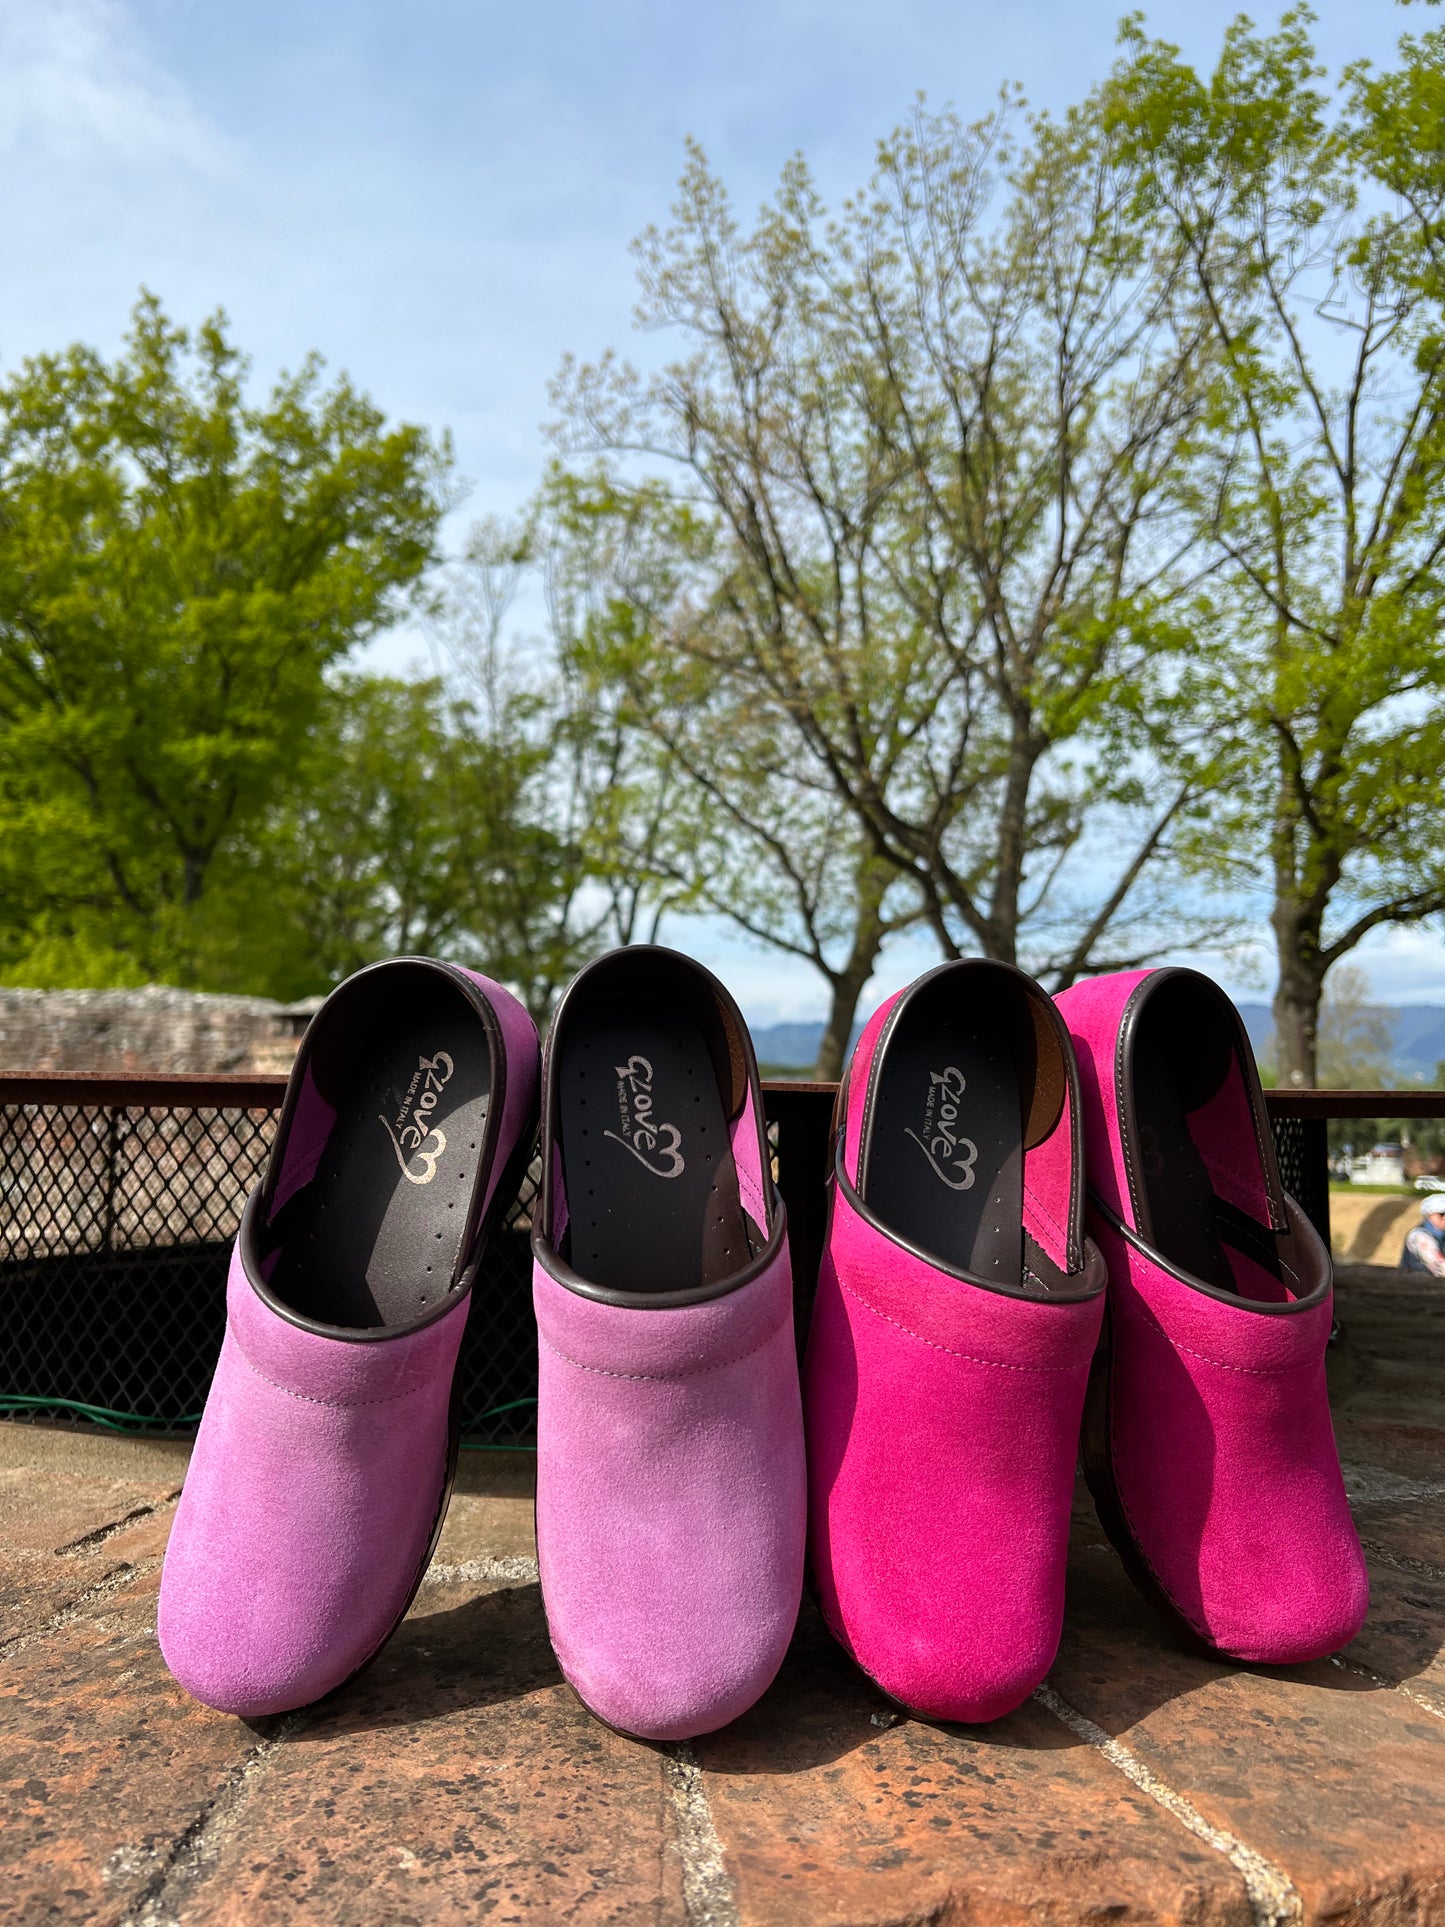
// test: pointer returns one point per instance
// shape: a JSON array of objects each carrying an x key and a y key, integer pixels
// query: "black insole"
[
  {"x": 1181, "y": 1197},
  {"x": 374, "y": 1238},
  {"x": 1188, "y": 1220},
  {"x": 945, "y": 1147},
  {"x": 647, "y": 1164}
]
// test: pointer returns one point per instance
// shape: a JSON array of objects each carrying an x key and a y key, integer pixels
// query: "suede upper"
[
  {"x": 943, "y": 1417},
  {"x": 308, "y": 1506},
  {"x": 670, "y": 1499},
  {"x": 1209, "y": 1444},
  {"x": 322, "y": 1463}
]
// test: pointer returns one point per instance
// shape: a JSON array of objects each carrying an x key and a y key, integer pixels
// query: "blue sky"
[{"x": 440, "y": 196}]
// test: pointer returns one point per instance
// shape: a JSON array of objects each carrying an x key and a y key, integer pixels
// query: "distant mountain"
[
  {"x": 1419, "y": 1042},
  {"x": 1418, "y": 1045},
  {"x": 791, "y": 1047},
  {"x": 1419, "y": 1038},
  {"x": 1259, "y": 1022}
]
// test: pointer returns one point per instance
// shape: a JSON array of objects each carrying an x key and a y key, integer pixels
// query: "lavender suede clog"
[
  {"x": 324, "y": 1461},
  {"x": 671, "y": 1501},
  {"x": 1208, "y": 1444}
]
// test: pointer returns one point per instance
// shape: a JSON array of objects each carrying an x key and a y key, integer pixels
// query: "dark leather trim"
[
  {"x": 1124, "y": 1092},
  {"x": 1043, "y": 1008},
  {"x": 743, "y": 1065},
  {"x": 1318, "y": 1257},
  {"x": 481, "y": 1216},
  {"x": 1091, "y": 1273}
]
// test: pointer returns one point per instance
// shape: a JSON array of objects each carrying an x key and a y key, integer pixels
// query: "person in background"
[{"x": 1425, "y": 1242}]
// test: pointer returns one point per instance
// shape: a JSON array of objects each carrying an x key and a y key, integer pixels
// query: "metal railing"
[{"x": 120, "y": 1198}]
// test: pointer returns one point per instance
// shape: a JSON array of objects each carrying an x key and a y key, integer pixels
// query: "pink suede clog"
[
  {"x": 957, "y": 1310},
  {"x": 1208, "y": 1443},
  {"x": 322, "y": 1468}
]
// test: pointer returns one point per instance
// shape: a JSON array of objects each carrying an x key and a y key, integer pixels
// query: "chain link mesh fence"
[
  {"x": 118, "y": 1211},
  {"x": 116, "y": 1226},
  {"x": 1299, "y": 1144}
]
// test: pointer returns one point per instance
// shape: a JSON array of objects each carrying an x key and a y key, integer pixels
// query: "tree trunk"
[
  {"x": 838, "y": 1031},
  {"x": 869, "y": 931},
  {"x": 1296, "y": 999}
]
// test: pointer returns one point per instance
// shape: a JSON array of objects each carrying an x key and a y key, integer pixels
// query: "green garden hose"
[{"x": 143, "y": 1422}]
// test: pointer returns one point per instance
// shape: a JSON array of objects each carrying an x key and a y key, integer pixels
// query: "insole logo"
[
  {"x": 412, "y": 1131},
  {"x": 657, "y": 1147},
  {"x": 940, "y": 1141}
]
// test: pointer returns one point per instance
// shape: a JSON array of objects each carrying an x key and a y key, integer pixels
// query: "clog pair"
[
  {"x": 671, "y": 1488},
  {"x": 955, "y": 1346}
]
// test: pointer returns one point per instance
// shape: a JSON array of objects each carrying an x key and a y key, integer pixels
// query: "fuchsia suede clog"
[
  {"x": 324, "y": 1461},
  {"x": 1208, "y": 1444},
  {"x": 670, "y": 1482},
  {"x": 957, "y": 1310}
]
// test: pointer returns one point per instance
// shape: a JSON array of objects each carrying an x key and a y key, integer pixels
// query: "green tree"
[
  {"x": 742, "y": 826},
  {"x": 1313, "y": 229},
  {"x": 574, "y": 806},
  {"x": 179, "y": 567},
  {"x": 366, "y": 856},
  {"x": 934, "y": 442},
  {"x": 417, "y": 826}
]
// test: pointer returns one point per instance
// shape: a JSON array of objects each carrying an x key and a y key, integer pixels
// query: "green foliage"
[
  {"x": 415, "y": 828},
  {"x": 577, "y": 808},
  {"x": 928, "y": 449},
  {"x": 178, "y": 569},
  {"x": 1314, "y": 231},
  {"x": 1067, "y": 505}
]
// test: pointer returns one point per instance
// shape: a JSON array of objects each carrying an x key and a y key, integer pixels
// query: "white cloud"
[{"x": 77, "y": 90}]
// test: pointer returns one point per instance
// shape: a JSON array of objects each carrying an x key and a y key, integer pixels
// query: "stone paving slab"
[
  {"x": 1336, "y": 1782},
  {"x": 458, "y": 1780},
  {"x": 64, "y": 1535}
]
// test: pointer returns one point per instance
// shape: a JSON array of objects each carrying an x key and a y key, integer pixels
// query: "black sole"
[
  {"x": 942, "y": 1161},
  {"x": 373, "y": 1238}
]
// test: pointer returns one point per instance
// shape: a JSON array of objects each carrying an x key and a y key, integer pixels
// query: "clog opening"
[
  {"x": 371, "y": 1212},
  {"x": 970, "y": 1075},
  {"x": 660, "y": 1158},
  {"x": 1202, "y": 1153}
]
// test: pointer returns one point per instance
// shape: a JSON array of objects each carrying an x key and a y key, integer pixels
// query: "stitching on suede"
[
  {"x": 661, "y": 1378},
  {"x": 1220, "y": 1364},
  {"x": 998, "y": 1364},
  {"x": 1120, "y": 1108},
  {"x": 1048, "y": 1218},
  {"x": 337, "y": 1404},
  {"x": 752, "y": 1194}
]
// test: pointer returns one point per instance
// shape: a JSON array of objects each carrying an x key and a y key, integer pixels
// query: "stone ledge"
[{"x": 458, "y": 1779}]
